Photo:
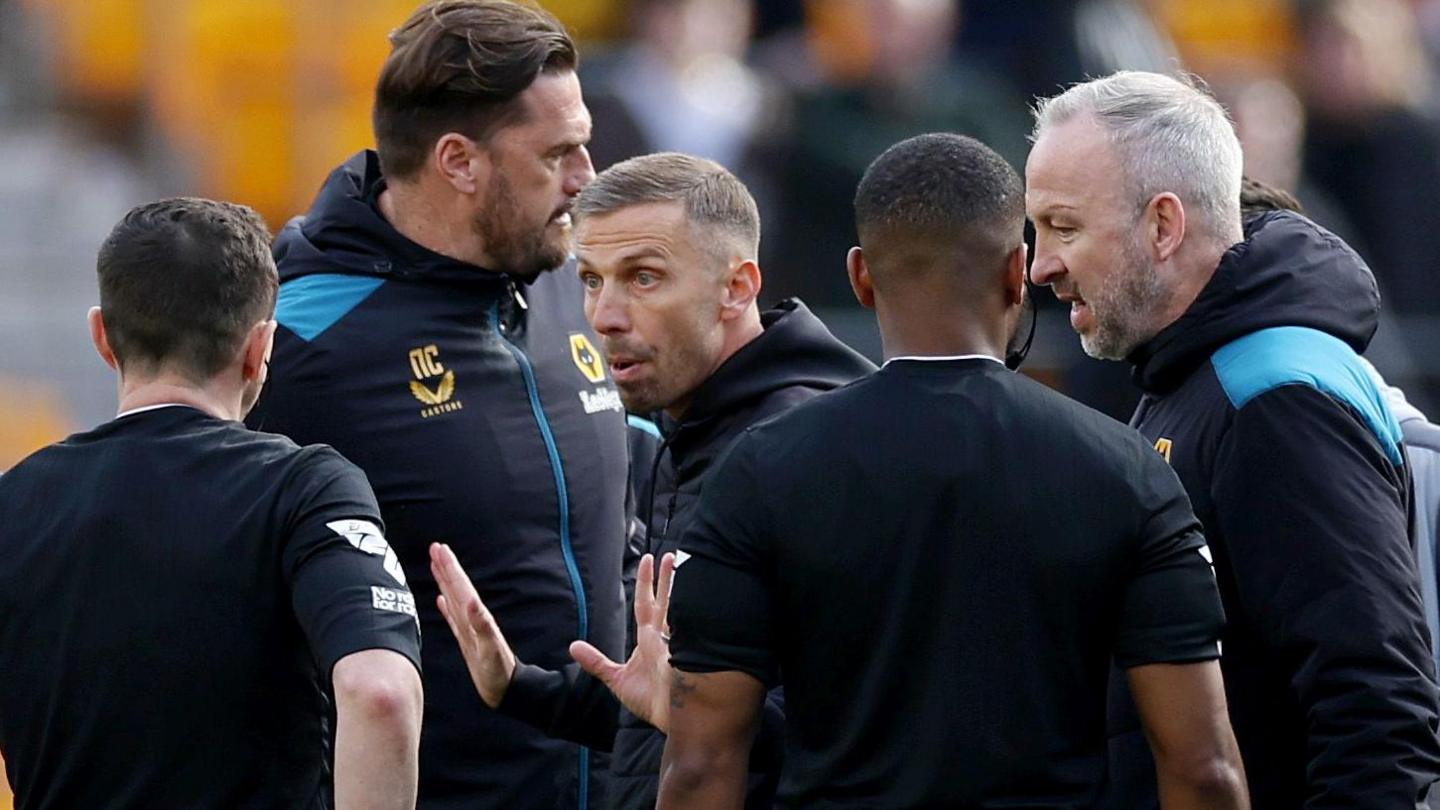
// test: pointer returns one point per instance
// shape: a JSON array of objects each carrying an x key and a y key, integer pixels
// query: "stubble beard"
[
  {"x": 1127, "y": 304},
  {"x": 659, "y": 391},
  {"x": 517, "y": 248}
]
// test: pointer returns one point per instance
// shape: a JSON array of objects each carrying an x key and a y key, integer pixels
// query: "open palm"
[{"x": 642, "y": 684}]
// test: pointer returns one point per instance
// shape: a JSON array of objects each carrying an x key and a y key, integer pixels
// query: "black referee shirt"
[
  {"x": 175, "y": 591},
  {"x": 939, "y": 562}
]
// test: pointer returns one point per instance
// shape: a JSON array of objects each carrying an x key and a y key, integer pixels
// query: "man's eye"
[
  {"x": 645, "y": 278},
  {"x": 591, "y": 282}
]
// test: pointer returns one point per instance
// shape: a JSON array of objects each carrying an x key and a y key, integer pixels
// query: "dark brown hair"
[
  {"x": 457, "y": 66},
  {"x": 182, "y": 281},
  {"x": 1257, "y": 198}
]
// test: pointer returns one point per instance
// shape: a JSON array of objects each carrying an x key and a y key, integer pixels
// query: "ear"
[
  {"x": 463, "y": 163},
  {"x": 1015, "y": 275},
  {"x": 742, "y": 288},
  {"x": 255, "y": 356},
  {"x": 100, "y": 339},
  {"x": 860, "y": 280},
  {"x": 1164, "y": 225}
]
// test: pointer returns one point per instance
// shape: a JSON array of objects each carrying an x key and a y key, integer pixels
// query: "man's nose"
[
  {"x": 1046, "y": 268},
  {"x": 580, "y": 174},
  {"x": 607, "y": 311}
]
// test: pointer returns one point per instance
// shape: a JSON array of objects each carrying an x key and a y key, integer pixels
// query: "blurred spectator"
[
  {"x": 1044, "y": 44},
  {"x": 1370, "y": 145},
  {"x": 870, "y": 73},
  {"x": 681, "y": 85},
  {"x": 1270, "y": 121}
]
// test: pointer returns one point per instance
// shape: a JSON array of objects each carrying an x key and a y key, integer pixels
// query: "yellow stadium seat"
[
  {"x": 98, "y": 47},
  {"x": 1218, "y": 36},
  {"x": 31, "y": 416}
]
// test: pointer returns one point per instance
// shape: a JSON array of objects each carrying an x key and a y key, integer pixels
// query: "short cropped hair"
[
  {"x": 458, "y": 66},
  {"x": 715, "y": 200},
  {"x": 182, "y": 282},
  {"x": 1170, "y": 135},
  {"x": 940, "y": 192}
]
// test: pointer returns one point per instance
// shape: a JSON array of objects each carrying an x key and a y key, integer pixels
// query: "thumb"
[{"x": 594, "y": 662}]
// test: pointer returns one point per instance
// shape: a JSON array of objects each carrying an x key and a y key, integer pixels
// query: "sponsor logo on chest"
[
  {"x": 1163, "y": 446},
  {"x": 592, "y": 367}
]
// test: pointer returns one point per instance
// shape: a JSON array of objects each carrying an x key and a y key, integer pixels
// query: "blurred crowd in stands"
[{"x": 105, "y": 103}]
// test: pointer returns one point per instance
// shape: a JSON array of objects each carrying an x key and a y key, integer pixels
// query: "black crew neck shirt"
[
  {"x": 939, "y": 562},
  {"x": 175, "y": 591}
]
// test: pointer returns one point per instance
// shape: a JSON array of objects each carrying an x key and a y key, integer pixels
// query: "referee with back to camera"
[
  {"x": 180, "y": 595},
  {"x": 941, "y": 559}
]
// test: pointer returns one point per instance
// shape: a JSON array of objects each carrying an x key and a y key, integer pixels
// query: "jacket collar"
[{"x": 1287, "y": 272}]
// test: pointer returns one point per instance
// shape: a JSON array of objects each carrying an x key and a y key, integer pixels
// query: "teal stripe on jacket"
[{"x": 1295, "y": 355}]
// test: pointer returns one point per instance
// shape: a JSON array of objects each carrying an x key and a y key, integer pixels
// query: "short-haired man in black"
[
  {"x": 180, "y": 593},
  {"x": 666, "y": 248},
  {"x": 941, "y": 559}
]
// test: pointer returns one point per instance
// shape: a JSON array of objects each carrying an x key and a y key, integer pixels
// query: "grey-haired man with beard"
[{"x": 1245, "y": 342}]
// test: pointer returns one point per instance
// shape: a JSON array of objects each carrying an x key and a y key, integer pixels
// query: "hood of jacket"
[
  {"x": 1287, "y": 272},
  {"x": 344, "y": 232},
  {"x": 794, "y": 350}
]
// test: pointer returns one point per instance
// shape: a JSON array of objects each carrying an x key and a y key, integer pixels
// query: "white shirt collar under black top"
[
  {"x": 133, "y": 411},
  {"x": 929, "y": 358}
]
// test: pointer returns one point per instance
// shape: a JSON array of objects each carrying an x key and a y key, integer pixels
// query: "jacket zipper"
[
  {"x": 654, "y": 485},
  {"x": 562, "y": 493}
]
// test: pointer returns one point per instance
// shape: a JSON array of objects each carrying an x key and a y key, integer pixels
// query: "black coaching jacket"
[
  {"x": 793, "y": 360},
  {"x": 483, "y": 415},
  {"x": 1294, "y": 464}
]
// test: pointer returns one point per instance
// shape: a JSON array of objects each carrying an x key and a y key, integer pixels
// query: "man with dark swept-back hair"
[
  {"x": 459, "y": 66},
  {"x": 942, "y": 633},
  {"x": 181, "y": 595},
  {"x": 425, "y": 333}
]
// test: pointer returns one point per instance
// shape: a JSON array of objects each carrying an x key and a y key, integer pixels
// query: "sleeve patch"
[
  {"x": 367, "y": 537},
  {"x": 393, "y": 601}
]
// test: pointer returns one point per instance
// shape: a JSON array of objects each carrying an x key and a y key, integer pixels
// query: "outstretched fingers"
[
  {"x": 595, "y": 662},
  {"x": 459, "y": 603},
  {"x": 662, "y": 593},
  {"x": 645, "y": 591}
]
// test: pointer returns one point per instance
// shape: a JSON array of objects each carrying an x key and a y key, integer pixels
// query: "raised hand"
[
  {"x": 487, "y": 653},
  {"x": 642, "y": 683}
]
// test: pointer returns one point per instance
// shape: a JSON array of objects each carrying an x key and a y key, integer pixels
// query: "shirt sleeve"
[
  {"x": 568, "y": 704},
  {"x": 347, "y": 587},
  {"x": 1315, "y": 528},
  {"x": 720, "y": 604},
  {"x": 1171, "y": 610}
]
